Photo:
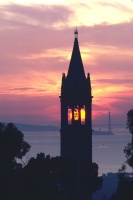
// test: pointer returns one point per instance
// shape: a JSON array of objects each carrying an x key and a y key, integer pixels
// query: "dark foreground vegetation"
[
  {"x": 125, "y": 185},
  {"x": 43, "y": 177},
  {"x": 52, "y": 178}
]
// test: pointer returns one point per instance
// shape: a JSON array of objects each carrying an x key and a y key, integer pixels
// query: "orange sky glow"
[{"x": 36, "y": 41}]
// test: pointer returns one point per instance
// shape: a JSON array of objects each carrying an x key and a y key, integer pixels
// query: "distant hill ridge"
[{"x": 28, "y": 127}]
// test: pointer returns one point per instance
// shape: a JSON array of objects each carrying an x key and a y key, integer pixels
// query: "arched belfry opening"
[{"x": 76, "y": 111}]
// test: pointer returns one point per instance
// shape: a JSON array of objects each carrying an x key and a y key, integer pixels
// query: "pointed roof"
[{"x": 76, "y": 69}]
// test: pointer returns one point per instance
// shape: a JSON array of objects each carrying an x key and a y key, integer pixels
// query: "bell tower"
[{"x": 76, "y": 111}]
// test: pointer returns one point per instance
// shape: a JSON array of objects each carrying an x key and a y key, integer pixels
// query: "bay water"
[{"x": 107, "y": 149}]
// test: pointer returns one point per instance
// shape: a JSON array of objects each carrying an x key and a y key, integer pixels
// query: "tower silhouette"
[{"x": 76, "y": 112}]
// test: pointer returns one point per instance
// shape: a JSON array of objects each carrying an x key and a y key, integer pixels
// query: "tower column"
[{"x": 76, "y": 119}]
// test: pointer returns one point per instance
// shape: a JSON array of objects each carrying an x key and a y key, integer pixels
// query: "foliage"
[
  {"x": 54, "y": 178},
  {"x": 80, "y": 178},
  {"x": 124, "y": 190},
  {"x": 49, "y": 178},
  {"x": 130, "y": 121},
  {"x": 121, "y": 172},
  {"x": 40, "y": 178},
  {"x": 128, "y": 150},
  {"x": 43, "y": 177},
  {"x": 12, "y": 145},
  {"x": 125, "y": 185}
]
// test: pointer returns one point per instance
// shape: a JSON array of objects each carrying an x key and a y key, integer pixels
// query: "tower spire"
[
  {"x": 76, "y": 69},
  {"x": 76, "y": 33}
]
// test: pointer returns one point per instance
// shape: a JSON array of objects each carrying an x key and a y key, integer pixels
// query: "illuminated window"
[
  {"x": 82, "y": 114},
  {"x": 69, "y": 116},
  {"x": 76, "y": 114}
]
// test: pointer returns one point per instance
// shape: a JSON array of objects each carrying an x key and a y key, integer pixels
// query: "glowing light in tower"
[{"x": 82, "y": 115}]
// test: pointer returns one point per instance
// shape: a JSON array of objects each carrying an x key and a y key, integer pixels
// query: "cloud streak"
[{"x": 39, "y": 15}]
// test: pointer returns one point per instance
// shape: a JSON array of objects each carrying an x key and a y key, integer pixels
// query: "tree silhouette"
[
  {"x": 125, "y": 185},
  {"x": 128, "y": 150},
  {"x": 124, "y": 190},
  {"x": 80, "y": 179},
  {"x": 53, "y": 178},
  {"x": 43, "y": 177},
  {"x": 130, "y": 121},
  {"x": 12, "y": 145}
]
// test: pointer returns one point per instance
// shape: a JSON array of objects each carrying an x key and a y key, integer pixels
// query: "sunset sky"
[{"x": 36, "y": 41}]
